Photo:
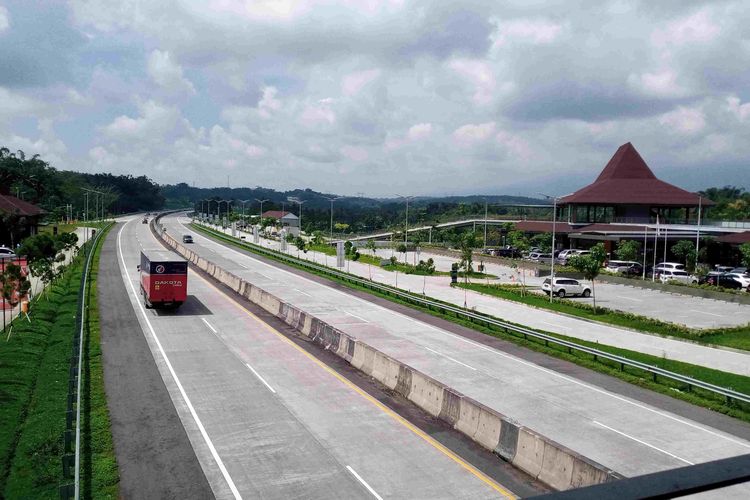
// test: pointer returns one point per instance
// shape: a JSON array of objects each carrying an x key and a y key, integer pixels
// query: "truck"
[{"x": 163, "y": 277}]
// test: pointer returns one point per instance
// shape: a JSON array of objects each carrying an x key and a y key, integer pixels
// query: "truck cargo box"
[{"x": 163, "y": 278}]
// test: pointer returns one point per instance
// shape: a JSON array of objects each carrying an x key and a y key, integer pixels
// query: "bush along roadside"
[
  {"x": 635, "y": 376},
  {"x": 34, "y": 383}
]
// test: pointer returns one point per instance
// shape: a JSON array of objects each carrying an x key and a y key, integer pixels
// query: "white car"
[
  {"x": 565, "y": 286},
  {"x": 666, "y": 275},
  {"x": 616, "y": 266},
  {"x": 6, "y": 253},
  {"x": 742, "y": 278}
]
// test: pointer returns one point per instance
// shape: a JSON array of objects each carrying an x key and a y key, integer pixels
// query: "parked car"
[
  {"x": 186, "y": 238},
  {"x": 572, "y": 253},
  {"x": 6, "y": 253},
  {"x": 509, "y": 252},
  {"x": 723, "y": 269},
  {"x": 635, "y": 269},
  {"x": 743, "y": 278},
  {"x": 565, "y": 286},
  {"x": 667, "y": 266},
  {"x": 741, "y": 270},
  {"x": 724, "y": 280},
  {"x": 619, "y": 266},
  {"x": 667, "y": 275}
]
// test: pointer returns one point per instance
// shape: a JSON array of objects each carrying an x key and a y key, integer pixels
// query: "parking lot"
[{"x": 693, "y": 312}]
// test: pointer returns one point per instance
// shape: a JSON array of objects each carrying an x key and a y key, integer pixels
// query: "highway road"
[
  {"x": 628, "y": 435},
  {"x": 266, "y": 419},
  {"x": 728, "y": 360}
]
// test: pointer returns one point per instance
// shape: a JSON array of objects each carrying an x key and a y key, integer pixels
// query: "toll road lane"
[
  {"x": 266, "y": 420},
  {"x": 559, "y": 406}
]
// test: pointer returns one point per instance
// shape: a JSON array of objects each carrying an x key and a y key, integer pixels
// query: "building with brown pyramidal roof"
[{"x": 627, "y": 191}]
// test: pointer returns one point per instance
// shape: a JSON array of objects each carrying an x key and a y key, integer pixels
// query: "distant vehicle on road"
[
  {"x": 186, "y": 238},
  {"x": 565, "y": 286},
  {"x": 144, "y": 221},
  {"x": 163, "y": 277}
]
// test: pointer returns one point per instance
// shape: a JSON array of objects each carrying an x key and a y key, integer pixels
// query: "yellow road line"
[{"x": 398, "y": 418}]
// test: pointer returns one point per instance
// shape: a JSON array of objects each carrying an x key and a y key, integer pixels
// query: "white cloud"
[
  {"x": 738, "y": 109},
  {"x": 355, "y": 153},
  {"x": 167, "y": 73},
  {"x": 531, "y": 31},
  {"x": 695, "y": 28},
  {"x": 268, "y": 102},
  {"x": 480, "y": 75},
  {"x": 353, "y": 83},
  {"x": 684, "y": 120},
  {"x": 419, "y": 131},
  {"x": 317, "y": 114},
  {"x": 4, "y": 19},
  {"x": 662, "y": 84},
  {"x": 470, "y": 134}
]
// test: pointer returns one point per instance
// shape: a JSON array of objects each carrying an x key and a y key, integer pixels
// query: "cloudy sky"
[{"x": 387, "y": 97}]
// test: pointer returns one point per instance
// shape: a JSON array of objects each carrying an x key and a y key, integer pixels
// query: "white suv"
[
  {"x": 565, "y": 286},
  {"x": 666, "y": 275},
  {"x": 6, "y": 252}
]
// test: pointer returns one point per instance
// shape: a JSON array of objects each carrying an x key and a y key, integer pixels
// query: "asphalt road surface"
[
  {"x": 627, "y": 435},
  {"x": 265, "y": 418}
]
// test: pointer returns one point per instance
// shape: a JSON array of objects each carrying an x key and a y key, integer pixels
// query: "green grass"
[
  {"x": 737, "y": 338},
  {"x": 632, "y": 375},
  {"x": 34, "y": 374},
  {"x": 69, "y": 228},
  {"x": 34, "y": 368}
]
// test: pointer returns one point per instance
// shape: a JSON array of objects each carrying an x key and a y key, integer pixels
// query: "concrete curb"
[{"x": 537, "y": 455}]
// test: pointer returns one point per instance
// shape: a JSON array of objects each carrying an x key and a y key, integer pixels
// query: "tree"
[
  {"x": 590, "y": 265},
  {"x": 628, "y": 250},
  {"x": 685, "y": 250},
  {"x": 13, "y": 284},
  {"x": 745, "y": 253},
  {"x": 467, "y": 254},
  {"x": 299, "y": 242},
  {"x": 370, "y": 245},
  {"x": 543, "y": 241}
]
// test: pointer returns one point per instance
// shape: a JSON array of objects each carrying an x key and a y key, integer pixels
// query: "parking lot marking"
[
  {"x": 706, "y": 312},
  {"x": 355, "y": 316},
  {"x": 260, "y": 378},
  {"x": 643, "y": 442},
  {"x": 628, "y": 298},
  {"x": 448, "y": 357},
  {"x": 300, "y": 291}
]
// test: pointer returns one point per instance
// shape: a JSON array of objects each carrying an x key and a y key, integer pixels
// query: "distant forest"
[{"x": 34, "y": 180}]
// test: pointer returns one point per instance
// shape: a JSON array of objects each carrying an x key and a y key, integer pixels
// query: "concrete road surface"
[
  {"x": 627, "y": 435},
  {"x": 439, "y": 287},
  {"x": 266, "y": 419}
]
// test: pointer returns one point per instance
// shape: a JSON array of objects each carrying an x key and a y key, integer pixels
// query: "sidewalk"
[{"x": 439, "y": 288}]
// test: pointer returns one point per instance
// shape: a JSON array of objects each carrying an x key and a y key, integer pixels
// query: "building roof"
[
  {"x": 611, "y": 228},
  {"x": 735, "y": 238},
  {"x": 532, "y": 226},
  {"x": 274, "y": 214},
  {"x": 12, "y": 204},
  {"x": 627, "y": 180}
]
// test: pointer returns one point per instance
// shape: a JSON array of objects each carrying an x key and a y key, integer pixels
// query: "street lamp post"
[
  {"x": 332, "y": 199},
  {"x": 552, "y": 260},
  {"x": 485, "y": 223},
  {"x": 406, "y": 223}
]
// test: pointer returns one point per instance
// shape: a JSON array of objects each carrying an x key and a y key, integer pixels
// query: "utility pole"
[{"x": 332, "y": 199}]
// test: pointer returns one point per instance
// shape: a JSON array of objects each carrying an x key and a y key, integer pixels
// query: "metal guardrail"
[
  {"x": 72, "y": 436},
  {"x": 475, "y": 317}
]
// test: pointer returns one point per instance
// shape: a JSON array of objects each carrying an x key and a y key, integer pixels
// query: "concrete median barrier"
[{"x": 527, "y": 450}]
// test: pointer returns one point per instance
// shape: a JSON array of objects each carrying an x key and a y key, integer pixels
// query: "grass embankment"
[
  {"x": 34, "y": 374},
  {"x": 737, "y": 338},
  {"x": 70, "y": 228},
  {"x": 633, "y": 375}
]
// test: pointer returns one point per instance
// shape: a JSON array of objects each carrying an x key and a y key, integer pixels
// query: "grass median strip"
[
  {"x": 737, "y": 338},
  {"x": 633, "y": 375},
  {"x": 34, "y": 374}
]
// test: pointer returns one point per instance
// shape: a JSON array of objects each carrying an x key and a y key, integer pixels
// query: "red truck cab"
[{"x": 163, "y": 278}]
